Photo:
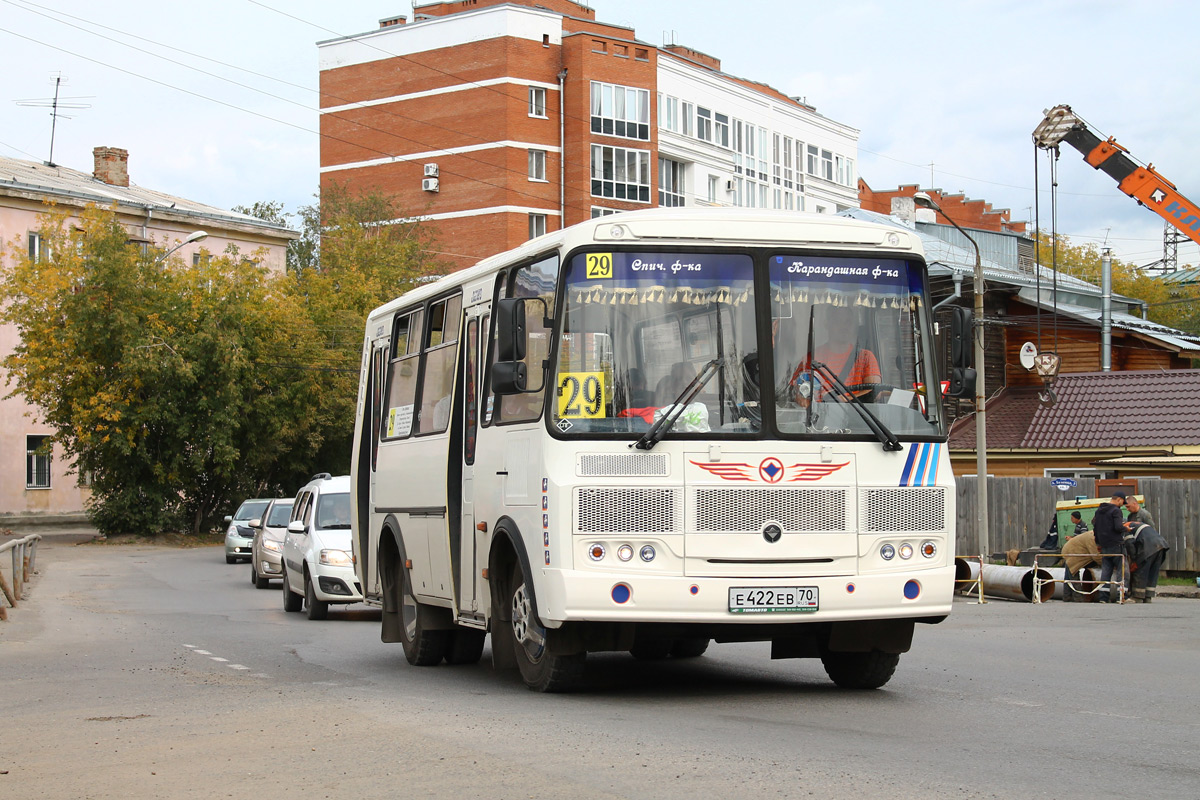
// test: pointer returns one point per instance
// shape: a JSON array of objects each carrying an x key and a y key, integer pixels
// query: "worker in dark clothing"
[
  {"x": 1147, "y": 550},
  {"x": 1109, "y": 526}
]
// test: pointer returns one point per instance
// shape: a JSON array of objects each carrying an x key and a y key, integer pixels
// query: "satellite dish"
[{"x": 1028, "y": 355}]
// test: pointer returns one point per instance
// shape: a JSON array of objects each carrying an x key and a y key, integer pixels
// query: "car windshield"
[
  {"x": 640, "y": 327},
  {"x": 251, "y": 509},
  {"x": 855, "y": 322},
  {"x": 279, "y": 515},
  {"x": 333, "y": 510}
]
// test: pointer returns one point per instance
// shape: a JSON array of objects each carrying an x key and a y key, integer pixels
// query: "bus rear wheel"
[
  {"x": 689, "y": 648},
  {"x": 466, "y": 646},
  {"x": 542, "y": 670},
  {"x": 422, "y": 648},
  {"x": 868, "y": 670}
]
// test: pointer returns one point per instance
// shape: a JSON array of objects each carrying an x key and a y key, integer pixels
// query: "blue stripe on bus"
[
  {"x": 912, "y": 455},
  {"x": 919, "y": 478}
]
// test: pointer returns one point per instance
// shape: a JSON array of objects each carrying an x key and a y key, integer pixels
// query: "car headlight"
[
  {"x": 270, "y": 544},
  {"x": 336, "y": 558}
]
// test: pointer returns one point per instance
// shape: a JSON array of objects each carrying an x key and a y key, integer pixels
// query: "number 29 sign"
[{"x": 581, "y": 394}]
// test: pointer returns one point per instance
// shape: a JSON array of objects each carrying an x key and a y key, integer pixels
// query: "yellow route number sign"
[
  {"x": 582, "y": 394},
  {"x": 599, "y": 265}
]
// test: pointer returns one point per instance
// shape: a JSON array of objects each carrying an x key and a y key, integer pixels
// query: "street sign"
[{"x": 1062, "y": 484}]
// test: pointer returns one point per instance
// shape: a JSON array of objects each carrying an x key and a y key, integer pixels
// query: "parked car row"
[{"x": 303, "y": 541}]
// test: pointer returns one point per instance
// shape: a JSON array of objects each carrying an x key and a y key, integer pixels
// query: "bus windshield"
[
  {"x": 640, "y": 327},
  {"x": 845, "y": 340}
]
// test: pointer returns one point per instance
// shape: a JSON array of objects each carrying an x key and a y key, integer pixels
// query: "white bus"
[{"x": 568, "y": 446}]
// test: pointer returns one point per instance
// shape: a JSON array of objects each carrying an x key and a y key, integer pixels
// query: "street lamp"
[
  {"x": 923, "y": 200},
  {"x": 195, "y": 236}
]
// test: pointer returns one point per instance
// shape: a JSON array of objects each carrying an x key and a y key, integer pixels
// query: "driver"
[{"x": 838, "y": 349}]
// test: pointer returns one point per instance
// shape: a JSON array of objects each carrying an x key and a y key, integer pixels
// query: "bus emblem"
[{"x": 770, "y": 470}]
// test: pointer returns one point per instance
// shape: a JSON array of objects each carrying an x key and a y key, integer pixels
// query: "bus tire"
[
  {"x": 317, "y": 609},
  {"x": 541, "y": 670},
  {"x": 689, "y": 648},
  {"x": 422, "y": 648},
  {"x": 868, "y": 670},
  {"x": 291, "y": 600},
  {"x": 466, "y": 646}
]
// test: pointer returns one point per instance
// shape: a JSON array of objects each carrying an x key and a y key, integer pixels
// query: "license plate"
[{"x": 772, "y": 599}]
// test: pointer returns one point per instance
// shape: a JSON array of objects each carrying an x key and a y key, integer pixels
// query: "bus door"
[{"x": 465, "y": 551}]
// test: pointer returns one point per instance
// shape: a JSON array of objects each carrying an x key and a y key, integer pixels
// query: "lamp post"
[
  {"x": 195, "y": 236},
  {"x": 923, "y": 200}
]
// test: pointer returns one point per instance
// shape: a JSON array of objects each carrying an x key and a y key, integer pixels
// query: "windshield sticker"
[
  {"x": 564, "y": 425},
  {"x": 400, "y": 421},
  {"x": 599, "y": 266},
  {"x": 858, "y": 271},
  {"x": 582, "y": 395}
]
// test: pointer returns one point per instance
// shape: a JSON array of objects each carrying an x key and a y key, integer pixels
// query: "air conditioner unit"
[
  {"x": 730, "y": 185},
  {"x": 429, "y": 184},
  {"x": 431, "y": 170}
]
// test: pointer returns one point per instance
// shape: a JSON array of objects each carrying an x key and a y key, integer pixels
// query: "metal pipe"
[
  {"x": 1010, "y": 583},
  {"x": 562, "y": 151},
  {"x": 1106, "y": 310},
  {"x": 958, "y": 281},
  {"x": 1087, "y": 586}
]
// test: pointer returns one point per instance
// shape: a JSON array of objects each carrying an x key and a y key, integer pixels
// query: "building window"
[
  {"x": 668, "y": 112},
  {"x": 599, "y": 46},
  {"x": 845, "y": 170},
  {"x": 641, "y": 54},
  {"x": 762, "y": 154},
  {"x": 721, "y": 130},
  {"x": 703, "y": 124},
  {"x": 686, "y": 119},
  {"x": 537, "y": 225},
  {"x": 537, "y": 165},
  {"x": 670, "y": 183},
  {"x": 620, "y": 111},
  {"x": 537, "y": 101},
  {"x": 827, "y": 165},
  {"x": 620, "y": 173},
  {"x": 38, "y": 250},
  {"x": 789, "y": 175},
  {"x": 600, "y": 211},
  {"x": 713, "y": 183},
  {"x": 37, "y": 462},
  {"x": 621, "y": 50},
  {"x": 812, "y": 159}
]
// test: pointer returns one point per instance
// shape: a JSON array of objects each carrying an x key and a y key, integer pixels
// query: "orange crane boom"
[{"x": 1143, "y": 184}]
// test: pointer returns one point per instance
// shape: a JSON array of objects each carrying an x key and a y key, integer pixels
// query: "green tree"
[{"x": 152, "y": 373}]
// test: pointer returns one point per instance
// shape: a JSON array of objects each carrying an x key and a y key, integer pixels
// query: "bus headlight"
[
  {"x": 887, "y": 552},
  {"x": 624, "y": 552},
  {"x": 596, "y": 552},
  {"x": 929, "y": 549},
  {"x": 648, "y": 553},
  {"x": 906, "y": 550}
]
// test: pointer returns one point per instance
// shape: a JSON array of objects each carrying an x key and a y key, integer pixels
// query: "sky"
[{"x": 217, "y": 101}]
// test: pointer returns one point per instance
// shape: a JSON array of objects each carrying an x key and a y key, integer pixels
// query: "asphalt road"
[{"x": 142, "y": 672}]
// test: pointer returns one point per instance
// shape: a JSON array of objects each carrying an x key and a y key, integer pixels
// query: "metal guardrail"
[
  {"x": 24, "y": 561},
  {"x": 1077, "y": 585}
]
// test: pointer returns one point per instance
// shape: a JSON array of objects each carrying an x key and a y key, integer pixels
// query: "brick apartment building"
[{"x": 499, "y": 121}]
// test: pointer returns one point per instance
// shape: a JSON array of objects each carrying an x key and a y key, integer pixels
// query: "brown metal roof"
[{"x": 1143, "y": 408}]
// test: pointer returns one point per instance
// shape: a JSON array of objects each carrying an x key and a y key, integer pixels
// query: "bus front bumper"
[{"x": 577, "y": 595}]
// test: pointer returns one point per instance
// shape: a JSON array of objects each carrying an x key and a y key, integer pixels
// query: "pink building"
[{"x": 32, "y": 484}]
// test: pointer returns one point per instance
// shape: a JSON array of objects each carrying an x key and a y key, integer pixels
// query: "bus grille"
[
  {"x": 626, "y": 511},
  {"x": 592, "y": 465},
  {"x": 747, "y": 510},
  {"x": 903, "y": 509}
]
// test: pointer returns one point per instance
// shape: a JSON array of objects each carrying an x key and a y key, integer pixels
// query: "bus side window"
[
  {"x": 536, "y": 280},
  {"x": 441, "y": 351},
  {"x": 402, "y": 376},
  {"x": 471, "y": 391}
]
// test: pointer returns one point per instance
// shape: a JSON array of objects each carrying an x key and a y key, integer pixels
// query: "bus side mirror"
[
  {"x": 962, "y": 382},
  {"x": 510, "y": 329},
  {"x": 509, "y": 377},
  {"x": 961, "y": 324}
]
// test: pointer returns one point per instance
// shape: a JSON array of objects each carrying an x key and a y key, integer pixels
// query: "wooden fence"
[{"x": 1020, "y": 511}]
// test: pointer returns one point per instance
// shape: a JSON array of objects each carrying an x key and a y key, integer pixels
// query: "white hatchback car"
[{"x": 318, "y": 568}]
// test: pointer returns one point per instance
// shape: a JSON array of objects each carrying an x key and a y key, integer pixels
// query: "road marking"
[
  {"x": 236, "y": 666},
  {"x": 218, "y": 658},
  {"x": 225, "y": 661}
]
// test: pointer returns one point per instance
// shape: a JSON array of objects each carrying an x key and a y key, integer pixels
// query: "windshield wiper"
[
  {"x": 660, "y": 428},
  {"x": 885, "y": 436}
]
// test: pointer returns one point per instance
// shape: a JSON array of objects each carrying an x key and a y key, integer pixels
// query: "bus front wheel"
[
  {"x": 542, "y": 670},
  {"x": 422, "y": 648},
  {"x": 868, "y": 670}
]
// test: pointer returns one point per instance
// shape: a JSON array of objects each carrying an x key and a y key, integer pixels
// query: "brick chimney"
[{"x": 112, "y": 165}]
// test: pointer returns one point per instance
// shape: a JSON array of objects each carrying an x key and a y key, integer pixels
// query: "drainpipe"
[
  {"x": 562, "y": 153},
  {"x": 1106, "y": 311},
  {"x": 958, "y": 279}
]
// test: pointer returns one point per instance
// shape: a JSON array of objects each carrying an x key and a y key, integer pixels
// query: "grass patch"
[
  {"x": 1163, "y": 581},
  {"x": 180, "y": 540}
]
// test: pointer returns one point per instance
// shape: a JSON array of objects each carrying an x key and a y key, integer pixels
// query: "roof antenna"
[{"x": 54, "y": 104}]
